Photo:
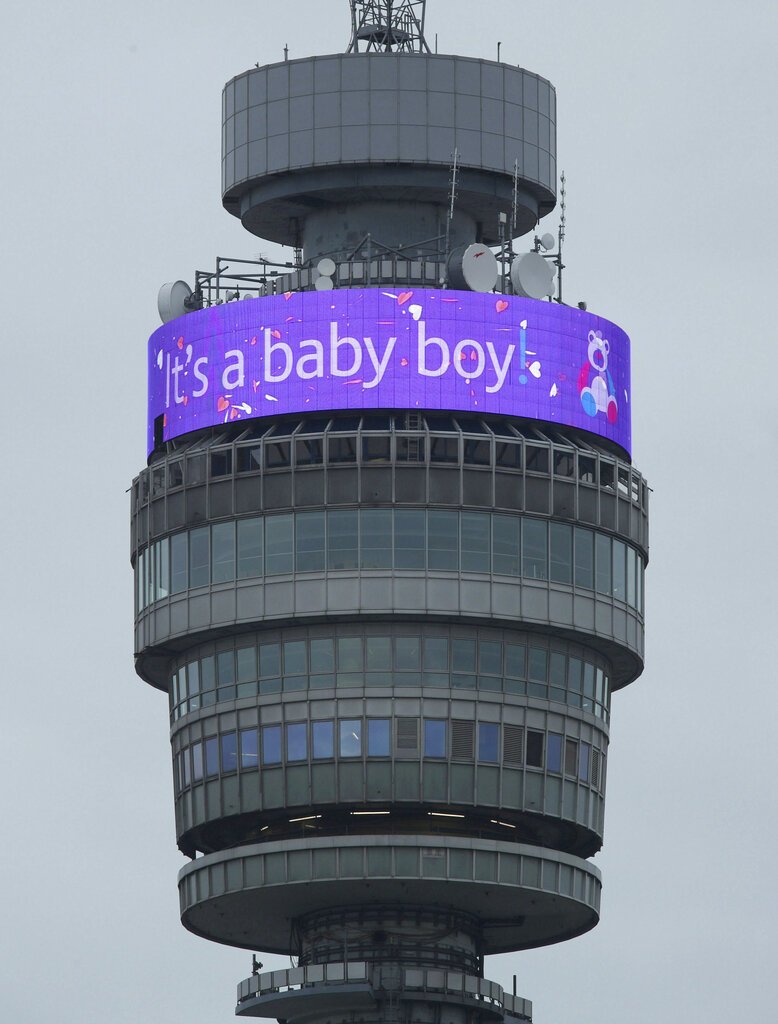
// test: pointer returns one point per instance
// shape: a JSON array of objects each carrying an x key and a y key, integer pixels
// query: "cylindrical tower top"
[{"x": 326, "y": 135}]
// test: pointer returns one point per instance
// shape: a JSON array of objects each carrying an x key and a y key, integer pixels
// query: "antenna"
[
  {"x": 452, "y": 197},
  {"x": 388, "y": 26},
  {"x": 562, "y": 225}
]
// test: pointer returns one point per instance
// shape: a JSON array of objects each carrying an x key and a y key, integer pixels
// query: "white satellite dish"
[
  {"x": 548, "y": 241},
  {"x": 326, "y": 267},
  {"x": 473, "y": 267},
  {"x": 324, "y": 284},
  {"x": 532, "y": 276},
  {"x": 172, "y": 299}
]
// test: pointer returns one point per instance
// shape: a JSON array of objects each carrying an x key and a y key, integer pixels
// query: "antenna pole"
[
  {"x": 452, "y": 195},
  {"x": 388, "y": 26},
  {"x": 562, "y": 224}
]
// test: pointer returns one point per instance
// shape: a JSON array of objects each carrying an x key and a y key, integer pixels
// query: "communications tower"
[{"x": 389, "y": 546}]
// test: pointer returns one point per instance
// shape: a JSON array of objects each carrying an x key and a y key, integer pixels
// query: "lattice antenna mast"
[{"x": 389, "y": 26}]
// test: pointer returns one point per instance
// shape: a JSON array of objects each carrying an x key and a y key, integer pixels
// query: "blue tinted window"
[
  {"x": 488, "y": 742},
  {"x": 554, "y": 752},
  {"x": 297, "y": 742},
  {"x": 350, "y": 738},
  {"x": 212, "y": 756},
  {"x": 229, "y": 752},
  {"x": 434, "y": 737},
  {"x": 249, "y": 748},
  {"x": 378, "y": 737},
  {"x": 322, "y": 740},
  {"x": 271, "y": 744}
]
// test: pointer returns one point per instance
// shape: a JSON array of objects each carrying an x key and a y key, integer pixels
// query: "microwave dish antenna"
[{"x": 388, "y": 26}]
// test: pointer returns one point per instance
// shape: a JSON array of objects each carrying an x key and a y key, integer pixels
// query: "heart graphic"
[
  {"x": 222, "y": 404},
  {"x": 403, "y": 297},
  {"x": 534, "y": 369},
  {"x": 501, "y": 305},
  {"x": 180, "y": 343},
  {"x": 415, "y": 311}
]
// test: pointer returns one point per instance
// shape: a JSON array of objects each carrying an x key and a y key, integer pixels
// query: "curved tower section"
[{"x": 389, "y": 546}]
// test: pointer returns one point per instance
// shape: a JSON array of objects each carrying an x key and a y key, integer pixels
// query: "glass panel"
[
  {"x": 379, "y": 653},
  {"x": 350, "y": 738},
  {"x": 342, "y": 539},
  {"x": 225, "y": 662},
  {"x": 309, "y": 542},
  {"x": 309, "y": 451},
  {"x": 534, "y": 545},
  {"x": 409, "y": 538},
  {"x": 199, "y": 557},
  {"x": 475, "y": 542},
  {"x": 506, "y": 559},
  {"x": 207, "y": 673},
  {"x": 583, "y": 762},
  {"x": 247, "y": 664},
  {"x": 534, "y": 749},
  {"x": 322, "y": 656},
  {"x": 631, "y": 577},
  {"x": 538, "y": 664},
  {"x": 297, "y": 741},
  {"x": 603, "y": 560},
  {"x": 229, "y": 752},
  {"x": 584, "y": 558},
  {"x": 379, "y": 737},
  {"x": 271, "y": 744},
  {"x": 588, "y": 687},
  {"x": 554, "y": 752},
  {"x": 278, "y": 544},
  {"x": 490, "y": 658},
  {"x": 561, "y": 553},
  {"x": 323, "y": 744},
  {"x": 444, "y": 449},
  {"x": 376, "y": 449},
  {"x": 443, "y": 542},
  {"x": 197, "y": 762},
  {"x": 212, "y": 756},
  {"x": 221, "y": 462},
  {"x": 477, "y": 453},
  {"x": 269, "y": 660},
  {"x": 463, "y": 655},
  {"x": 537, "y": 459},
  {"x": 249, "y": 548},
  {"x": 350, "y": 654},
  {"x": 249, "y": 748},
  {"x": 222, "y": 552},
  {"x": 343, "y": 449},
  {"x": 436, "y": 654},
  {"x": 435, "y": 737},
  {"x": 294, "y": 658},
  {"x": 407, "y": 652},
  {"x": 277, "y": 454},
  {"x": 179, "y": 570},
  {"x": 571, "y": 757},
  {"x": 249, "y": 459},
  {"x": 508, "y": 454},
  {"x": 163, "y": 569},
  {"x": 376, "y": 538},
  {"x": 488, "y": 742},
  {"x": 619, "y": 570}
]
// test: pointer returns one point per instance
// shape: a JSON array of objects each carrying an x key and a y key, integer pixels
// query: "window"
[
  {"x": 571, "y": 757},
  {"x": 297, "y": 741},
  {"x": 554, "y": 752},
  {"x": 222, "y": 552},
  {"x": 309, "y": 452},
  {"x": 410, "y": 538},
  {"x": 309, "y": 542},
  {"x": 278, "y": 544},
  {"x": 561, "y": 553},
  {"x": 343, "y": 449},
  {"x": 221, "y": 462},
  {"x": 619, "y": 570},
  {"x": 197, "y": 762},
  {"x": 477, "y": 452},
  {"x": 602, "y": 561},
  {"x": 534, "y": 549},
  {"x": 443, "y": 542},
  {"x": 350, "y": 738},
  {"x": 342, "y": 539},
  {"x": 249, "y": 548},
  {"x": 535, "y": 748},
  {"x": 407, "y": 653},
  {"x": 323, "y": 746},
  {"x": 249, "y": 748},
  {"x": 444, "y": 449},
  {"x": 475, "y": 542},
  {"x": 379, "y": 738},
  {"x": 434, "y": 737},
  {"x": 376, "y": 538},
  {"x": 271, "y": 744},
  {"x": 249, "y": 459},
  {"x": 584, "y": 558},
  {"x": 506, "y": 558},
  {"x": 488, "y": 742},
  {"x": 229, "y": 752},
  {"x": 211, "y": 756},
  {"x": 199, "y": 557},
  {"x": 376, "y": 449},
  {"x": 277, "y": 454}
]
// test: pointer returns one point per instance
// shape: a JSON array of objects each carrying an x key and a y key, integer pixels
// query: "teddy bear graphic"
[{"x": 597, "y": 391}]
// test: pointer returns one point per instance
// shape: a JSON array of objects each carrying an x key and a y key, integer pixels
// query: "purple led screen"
[{"x": 311, "y": 352}]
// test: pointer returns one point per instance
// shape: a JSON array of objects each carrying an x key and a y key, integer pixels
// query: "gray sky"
[{"x": 110, "y": 185}]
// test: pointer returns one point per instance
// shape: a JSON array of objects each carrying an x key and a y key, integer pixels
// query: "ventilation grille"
[
  {"x": 513, "y": 740},
  {"x": 462, "y": 741},
  {"x": 408, "y": 734},
  {"x": 595, "y": 780}
]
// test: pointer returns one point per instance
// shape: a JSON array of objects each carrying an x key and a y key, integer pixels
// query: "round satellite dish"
[
  {"x": 326, "y": 267},
  {"x": 473, "y": 267},
  {"x": 172, "y": 299},
  {"x": 548, "y": 241},
  {"x": 532, "y": 276},
  {"x": 324, "y": 284}
]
